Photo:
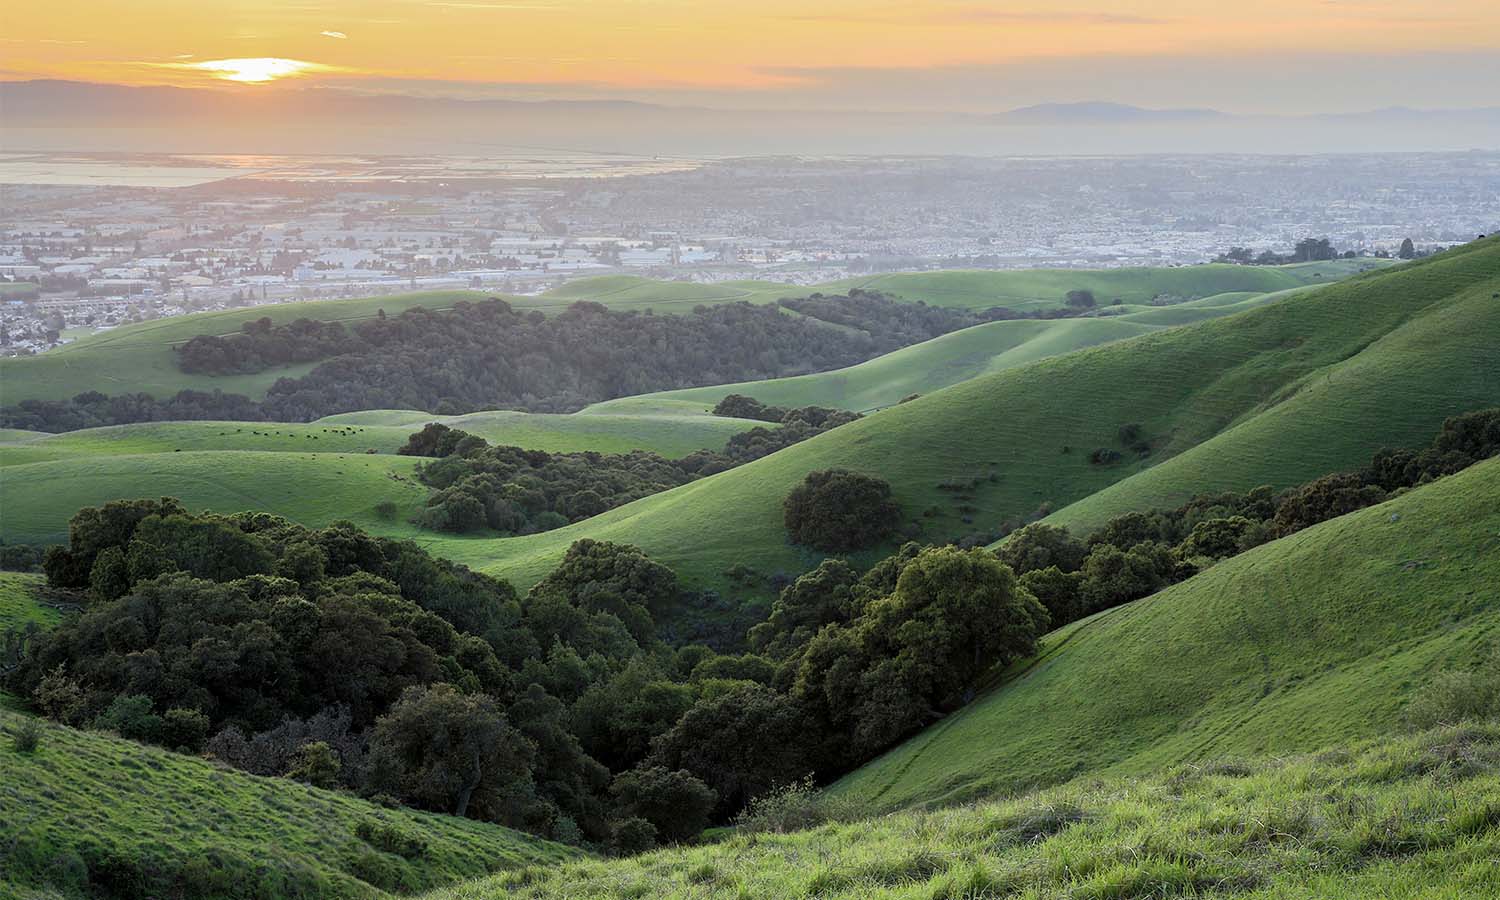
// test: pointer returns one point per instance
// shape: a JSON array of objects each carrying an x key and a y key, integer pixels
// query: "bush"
[
  {"x": 631, "y": 836},
  {"x": 794, "y": 807},
  {"x": 675, "y": 803},
  {"x": 1458, "y": 696},
  {"x": 130, "y": 716},
  {"x": 838, "y": 511},
  {"x": 184, "y": 729},
  {"x": 316, "y": 764},
  {"x": 386, "y": 510},
  {"x": 27, "y": 737},
  {"x": 390, "y": 839}
]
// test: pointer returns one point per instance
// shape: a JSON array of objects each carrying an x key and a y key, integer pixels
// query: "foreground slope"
[
  {"x": 88, "y": 814},
  {"x": 1306, "y": 642},
  {"x": 1379, "y": 360},
  {"x": 1413, "y": 817}
]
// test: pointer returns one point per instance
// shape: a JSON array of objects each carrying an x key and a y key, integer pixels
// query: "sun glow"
[{"x": 254, "y": 70}]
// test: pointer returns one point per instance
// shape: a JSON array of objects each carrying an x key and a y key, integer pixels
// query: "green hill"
[
  {"x": 139, "y": 357},
  {"x": 88, "y": 814},
  {"x": 1309, "y": 641},
  {"x": 382, "y": 431},
  {"x": 1042, "y": 288},
  {"x": 312, "y": 488},
  {"x": 949, "y": 359},
  {"x": 1378, "y": 360},
  {"x": 1411, "y": 817}
]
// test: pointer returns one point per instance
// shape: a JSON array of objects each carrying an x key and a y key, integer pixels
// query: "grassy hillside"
[
  {"x": 312, "y": 488},
  {"x": 1306, "y": 642},
  {"x": 949, "y": 359},
  {"x": 19, "y": 604},
  {"x": 1042, "y": 288},
  {"x": 1382, "y": 359},
  {"x": 92, "y": 815},
  {"x": 382, "y": 431},
  {"x": 1414, "y": 817},
  {"x": 139, "y": 357}
]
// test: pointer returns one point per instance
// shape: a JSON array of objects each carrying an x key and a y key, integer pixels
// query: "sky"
[{"x": 1270, "y": 56}]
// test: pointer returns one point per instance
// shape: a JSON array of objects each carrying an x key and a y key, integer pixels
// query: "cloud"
[
  {"x": 974, "y": 15},
  {"x": 334, "y": 34}
]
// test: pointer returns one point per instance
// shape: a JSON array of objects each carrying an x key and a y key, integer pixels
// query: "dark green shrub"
[
  {"x": 390, "y": 839},
  {"x": 27, "y": 737},
  {"x": 837, "y": 511},
  {"x": 631, "y": 836}
]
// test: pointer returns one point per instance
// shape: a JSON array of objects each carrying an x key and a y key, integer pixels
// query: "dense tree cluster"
[
  {"x": 359, "y": 663},
  {"x": 517, "y": 491},
  {"x": 837, "y": 511},
  {"x": 895, "y": 323},
  {"x": 92, "y": 409},
  {"x": 490, "y": 356},
  {"x": 260, "y": 345},
  {"x": 1306, "y": 250}
]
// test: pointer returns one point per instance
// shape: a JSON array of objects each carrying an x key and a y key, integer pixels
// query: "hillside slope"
[
  {"x": 1306, "y": 642},
  {"x": 949, "y": 359},
  {"x": 1408, "y": 818},
  {"x": 138, "y": 357},
  {"x": 1413, "y": 344},
  {"x": 88, "y": 814}
]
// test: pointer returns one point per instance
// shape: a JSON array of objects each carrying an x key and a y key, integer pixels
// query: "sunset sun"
[{"x": 255, "y": 70}]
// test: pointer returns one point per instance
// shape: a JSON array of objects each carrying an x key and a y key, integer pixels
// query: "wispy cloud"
[
  {"x": 334, "y": 34},
  {"x": 467, "y": 4},
  {"x": 977, "y": 15}
]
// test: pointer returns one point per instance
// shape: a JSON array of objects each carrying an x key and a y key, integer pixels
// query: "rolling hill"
[
  {"x": 88, "y": 814},
  {"x": 1377, "y": 360},
  {"x": 1309, "y": 641},
  {"x": 949, "y": 359},
  {"x": 382, "y": 431},
  {"x": 138, "y": 357},
  {"x": 1002, "y": 445}
]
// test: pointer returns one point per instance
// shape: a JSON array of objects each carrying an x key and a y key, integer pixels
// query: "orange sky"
[{"x": 684, "y": 44}]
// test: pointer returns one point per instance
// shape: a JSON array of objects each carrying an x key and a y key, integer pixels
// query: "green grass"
[
  {"x": 19, "y": 604},
  {"x": 312, "y": 488},
  {"x": 1378, "y": 360},
  {"x": 88, "y": 803},
  {"x": 139, "y": 357},
  {"x": 1401, "y": 819},
  {"x": 382, "y": 431},
  {"x": 1309, "y": 641},
  {"x": 949, "y": 359}
]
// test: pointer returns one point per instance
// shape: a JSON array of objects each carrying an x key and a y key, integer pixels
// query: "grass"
[
  {"x": 382, "y": 431},
  {"x": 313, "y": 488},
  {"x": 1413, "y": 817},
  {"x": 947, "y": 360},
  {"x": 1309, "y": 641},
  {"x": 88, "y": 814},
  {"x": 138, "y": 357},
  {"x": 1290, "y": 390},
  {"x": 19, "y": 604}
]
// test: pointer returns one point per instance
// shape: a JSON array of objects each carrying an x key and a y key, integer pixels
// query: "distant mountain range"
[{"x": 58, "y": 115}]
